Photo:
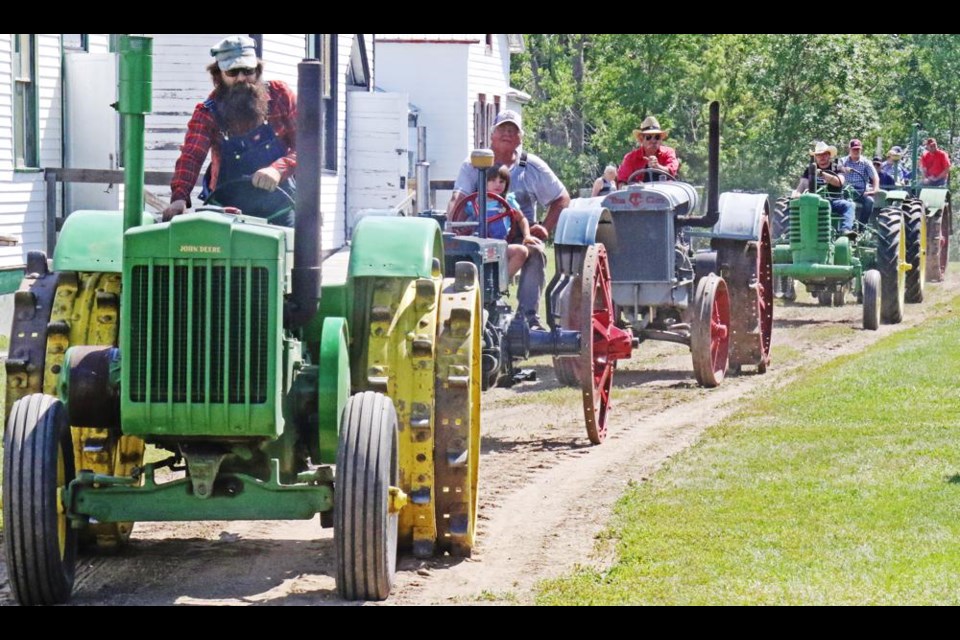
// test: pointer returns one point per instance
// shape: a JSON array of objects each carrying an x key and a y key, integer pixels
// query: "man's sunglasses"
[
  {"x": 233, "y": 73},
  {"x": 651, "y": 137}
]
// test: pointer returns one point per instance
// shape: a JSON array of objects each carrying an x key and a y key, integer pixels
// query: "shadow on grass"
[{"x": 954, "y": 479}]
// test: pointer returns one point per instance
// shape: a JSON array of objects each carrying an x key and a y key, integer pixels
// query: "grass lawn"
[{"x": 842, "y": 489}]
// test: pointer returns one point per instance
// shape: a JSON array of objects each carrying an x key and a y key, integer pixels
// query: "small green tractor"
[
  {"x": 929, "y": 217},
  {"x": 872, "y": 265}
]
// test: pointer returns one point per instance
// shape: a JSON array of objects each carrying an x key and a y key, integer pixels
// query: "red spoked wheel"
[
  {"x": 470, "y": 227},
  {"x": 710, "y": 330},
  {"x": 750, "y": 287},
  {"x": 602, "y": 342}
]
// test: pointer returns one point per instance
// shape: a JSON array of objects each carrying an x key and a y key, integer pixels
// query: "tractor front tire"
[
  {"x": 365, "y": 525},
  {"x": 40, "y": 544}
]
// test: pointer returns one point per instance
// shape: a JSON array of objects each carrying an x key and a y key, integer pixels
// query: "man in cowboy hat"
[
  {"x": 826, "y": 176},
  {"x": 892, "y": 173},
  {"x": 532, "y": 181},
  {"x": 860, "y": 175},
  {"x": 651, "y": 154},
  {"x": 935, "y": 164}
]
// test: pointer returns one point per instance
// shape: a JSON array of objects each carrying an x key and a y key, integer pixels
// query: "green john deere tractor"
[
  {"x": 929, "y": 218},
  {"x": 210, "y": 338},
  {"x": 872, "y": 265}
]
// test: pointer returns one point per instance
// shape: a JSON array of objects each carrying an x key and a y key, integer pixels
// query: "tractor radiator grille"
[
  {"x": 199, "y": 334},
  {"x": 822, "y": 228},
  {"x": 645, "y": 248}
]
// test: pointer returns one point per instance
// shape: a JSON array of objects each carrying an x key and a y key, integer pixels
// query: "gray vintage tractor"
[{"x": 717, "y": 300}]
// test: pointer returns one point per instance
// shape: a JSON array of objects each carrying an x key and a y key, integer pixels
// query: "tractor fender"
[
  {"x": 740, "y": 216},
  {"x": 92, "y": 241},
  {"x": 896, "y": 196},
  {"x": 585, "y": 222},
  {"x": 934, "y": 199},
  {"x": 396, "y": 247}
]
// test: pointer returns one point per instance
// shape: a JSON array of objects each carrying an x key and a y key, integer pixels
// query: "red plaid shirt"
[{"x": 204, "y": 135}]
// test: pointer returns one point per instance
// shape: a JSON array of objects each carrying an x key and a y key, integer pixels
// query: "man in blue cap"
[
  {"x": 248, "y": 126},
  {"x": 532, "y": 181}
]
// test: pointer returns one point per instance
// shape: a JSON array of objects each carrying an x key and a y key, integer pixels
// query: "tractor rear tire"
[
  {"x": 365, "y": 526},
  {"x": 871, "y": 300},
  {"x": 40, "y": 544},
  {"x": 780, "y": 222},
  {"x": 891, "y": 250},
  {"x": 916, "y": 224}
]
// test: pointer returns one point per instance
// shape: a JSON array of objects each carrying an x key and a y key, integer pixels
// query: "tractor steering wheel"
[
  {"x": 459, "y": 222},
  {"x": 650, "y": 172},
  {"x": 251, "y": 200}
]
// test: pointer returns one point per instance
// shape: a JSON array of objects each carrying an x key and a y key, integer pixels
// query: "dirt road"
[{"x": 545, "y": 491}]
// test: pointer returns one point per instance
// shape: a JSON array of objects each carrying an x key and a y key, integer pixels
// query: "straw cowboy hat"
[
  {"x": 650, "y": 125},
  {"x": 822, "y": 147}
]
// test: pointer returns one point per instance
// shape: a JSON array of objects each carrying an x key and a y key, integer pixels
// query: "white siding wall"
[
  {"x": 282, "y": 52},
  {"x": 22, "y": 194},
  {"x": 487, "y": 73},
  {"x": 98, "y": 42},
  {"x": 435, "y": 76},
  {"x": 180, "y": 81},
  {"x": 333, "y": 188}
]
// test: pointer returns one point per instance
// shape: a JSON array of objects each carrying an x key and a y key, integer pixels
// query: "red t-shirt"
[
  {"x": 934, "y": 163},
  {"x": 637, "y": 159}
]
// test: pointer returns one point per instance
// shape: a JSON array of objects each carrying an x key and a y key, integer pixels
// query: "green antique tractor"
[
  {"x": 929, "y": 218},
  {"x": 210, "y": 338},
  {"x": 872, "y": 265}
]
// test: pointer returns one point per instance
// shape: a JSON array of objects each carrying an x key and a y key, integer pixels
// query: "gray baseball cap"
[
  {"x": 234, "y": 52},
  {"x": 508, "y": 115}
]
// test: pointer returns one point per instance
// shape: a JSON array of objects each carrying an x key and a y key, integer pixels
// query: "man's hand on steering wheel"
[
  {"x": 267, "y": 178},
  {"x": 649, "y": 172},
  {"x": 174, "y": 209}
]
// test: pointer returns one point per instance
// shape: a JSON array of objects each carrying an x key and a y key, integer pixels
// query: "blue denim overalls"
[{"x": 242, "y": 156}]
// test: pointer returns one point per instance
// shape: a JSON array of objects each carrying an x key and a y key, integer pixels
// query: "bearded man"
[{"x": 249, "y": 128}]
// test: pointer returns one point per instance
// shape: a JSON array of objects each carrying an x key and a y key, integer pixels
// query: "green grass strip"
[{"x": 843, "y": 488}]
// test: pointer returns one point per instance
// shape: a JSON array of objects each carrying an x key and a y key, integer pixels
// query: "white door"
[
  {"x": 90, "y": 127},
  {"x": 377, "y": 152}
]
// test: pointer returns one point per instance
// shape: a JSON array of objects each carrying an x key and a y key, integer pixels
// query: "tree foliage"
[{"x": 778, "y": 94}]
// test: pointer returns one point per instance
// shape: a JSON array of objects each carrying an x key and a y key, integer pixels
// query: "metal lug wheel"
[{"x": 710, "y": 332}]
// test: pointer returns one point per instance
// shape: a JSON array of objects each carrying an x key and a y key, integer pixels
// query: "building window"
[
  {"x": 484, "y": 113},
  {"x": 75, "y": 41},
  {"x": 25, "y": 149},
  {"x": 323, "y": 47}
]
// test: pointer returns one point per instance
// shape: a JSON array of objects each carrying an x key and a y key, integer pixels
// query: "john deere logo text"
[{"x": 199, "y": 248}]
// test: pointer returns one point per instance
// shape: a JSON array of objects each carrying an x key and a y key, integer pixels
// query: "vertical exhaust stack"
[
  {"x": 135, "y": 101},
  {"x": 713, "y": 176},
  {"x": 306, "y": 249}
]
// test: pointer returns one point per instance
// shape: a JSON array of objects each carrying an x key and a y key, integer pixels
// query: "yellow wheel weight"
[{"x": 86, "y": 312}]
